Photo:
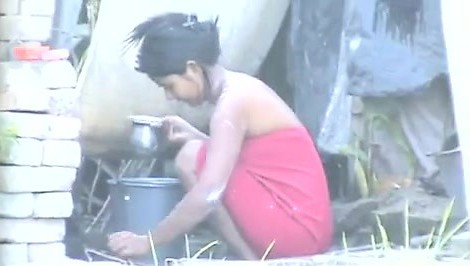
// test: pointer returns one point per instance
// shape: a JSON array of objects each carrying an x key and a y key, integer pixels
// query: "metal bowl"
[{"x": 146, "y": 134}]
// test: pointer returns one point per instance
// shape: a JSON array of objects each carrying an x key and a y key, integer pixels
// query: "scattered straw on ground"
[
  {"x": 368, "y": 258},
  {"x": 408, "y": 257}
]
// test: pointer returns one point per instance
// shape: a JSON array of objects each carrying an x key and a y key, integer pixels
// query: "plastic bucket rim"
[{"x": 145, "y": 181}]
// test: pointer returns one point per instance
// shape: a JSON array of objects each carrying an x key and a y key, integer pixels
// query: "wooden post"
[{"x": 455, "y": 20}]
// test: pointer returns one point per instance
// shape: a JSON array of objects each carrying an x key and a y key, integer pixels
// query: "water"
[{"x": 137, "y": 167}]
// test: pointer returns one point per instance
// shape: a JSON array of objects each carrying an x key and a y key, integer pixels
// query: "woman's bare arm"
[{"x": 227, "y": 134}]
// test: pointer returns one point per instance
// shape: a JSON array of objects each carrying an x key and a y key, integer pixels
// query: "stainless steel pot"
[{"x": 146, "y": 134}]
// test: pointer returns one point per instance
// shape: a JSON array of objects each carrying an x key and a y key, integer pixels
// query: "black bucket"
[{"x": 139, "y": 204}]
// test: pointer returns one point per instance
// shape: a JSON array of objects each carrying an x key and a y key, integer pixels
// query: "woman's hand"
[
  {"x": 127, "y": 244},
  {"x": 179, "y": 130}
]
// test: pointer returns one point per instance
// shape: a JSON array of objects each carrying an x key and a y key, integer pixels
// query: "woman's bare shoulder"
[
  {"x": 241, "y": 86},
  {"x": 236, "y": 97}
]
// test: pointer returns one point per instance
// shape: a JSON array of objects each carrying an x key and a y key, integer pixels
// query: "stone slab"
[
  {"x": 31, "y": 230},
  {"x": 41, "y": 126},
  {"x": 50, "y": 75},
  {"x": 23, "y": 179},
  {"x": 53, "y": 205},
  {"x": 14, "y": 205},
  {"x": 24, "y": 152},
  {"x": 27, "y": 28},
  {"x": 425, "y": 213},
  {"x": 48, "y": 252},
  {"x": 352, "y": 215},
  {"x": 13, "y": 254},
  {"x": 62, "y": 153}
]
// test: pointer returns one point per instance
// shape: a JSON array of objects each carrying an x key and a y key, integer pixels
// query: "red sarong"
[{"x": 278, "y": 192}]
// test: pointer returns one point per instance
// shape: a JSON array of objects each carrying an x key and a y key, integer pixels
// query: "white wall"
[
  {"x": 456, "y": 21},
  {"x": 247, "y": 30}
]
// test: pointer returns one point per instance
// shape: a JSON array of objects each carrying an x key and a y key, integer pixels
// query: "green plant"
[
  {"x": 361, "y": 151},
  {"x": 8, "y": 136},
  {"x": 360, "y": 164},
  {"x": 435, "y": 243},
  {"x": 384, "y": 252},
  {"x": 443, "y": 237},
  {"x": 344, "y": 241}
]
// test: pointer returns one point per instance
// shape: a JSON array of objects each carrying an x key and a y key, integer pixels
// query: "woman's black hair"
[{"x": 172, "y": 39}]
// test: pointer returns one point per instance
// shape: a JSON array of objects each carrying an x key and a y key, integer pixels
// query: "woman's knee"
[{"x": 185, "y": 161}]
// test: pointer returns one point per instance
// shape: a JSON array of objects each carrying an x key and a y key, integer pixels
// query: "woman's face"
[{"x": 188, "y": 87}]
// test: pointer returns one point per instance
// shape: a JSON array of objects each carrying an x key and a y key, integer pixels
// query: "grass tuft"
[
  {"x": 152, "y": 247},
  {"x": 205, "y": 248},
  {"x": 435, "y": 244},
  {"x": 345, "y": 242},
  {"x": 268, "y": 250}
]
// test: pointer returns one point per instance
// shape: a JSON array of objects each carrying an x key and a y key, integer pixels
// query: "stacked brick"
[
  {"x": 37, "y": 170},
  {"x": 24, "y": 20},
  {"x": 38, "y": 100}
]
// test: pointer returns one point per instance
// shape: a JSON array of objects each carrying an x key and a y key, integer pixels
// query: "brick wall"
[
  {"x": 38, "y": 170},
  {"x": 24, "y": 20}
]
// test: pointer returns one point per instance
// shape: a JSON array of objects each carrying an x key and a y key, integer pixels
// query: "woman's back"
[
  {"x": 263, "y": 110},
  {"x": 278, "y": 155}
]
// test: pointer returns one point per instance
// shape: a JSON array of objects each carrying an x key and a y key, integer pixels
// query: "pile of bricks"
[
  {"x": 38, "y": 101},
  {"x": 37, "y": 170},
  {"x": 24, "y": 20}
]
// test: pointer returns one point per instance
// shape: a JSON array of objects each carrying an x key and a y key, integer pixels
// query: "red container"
[{"x": 30, "y": 51}]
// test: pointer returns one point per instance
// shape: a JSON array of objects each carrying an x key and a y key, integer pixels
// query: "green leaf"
[
  {"x": 452, "y": 232},
  {"x": 361, "y": 178},
  {"x": 383, "y": 234},
  {"x": 445, "y": 220},
  {"x": 430, "y": 239},
  {"x": 345, "y": 242},
  {"x": 407, "y": 225},
  {"x": 354, "y": 152},
  {"x": 373, "y": 242}
]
